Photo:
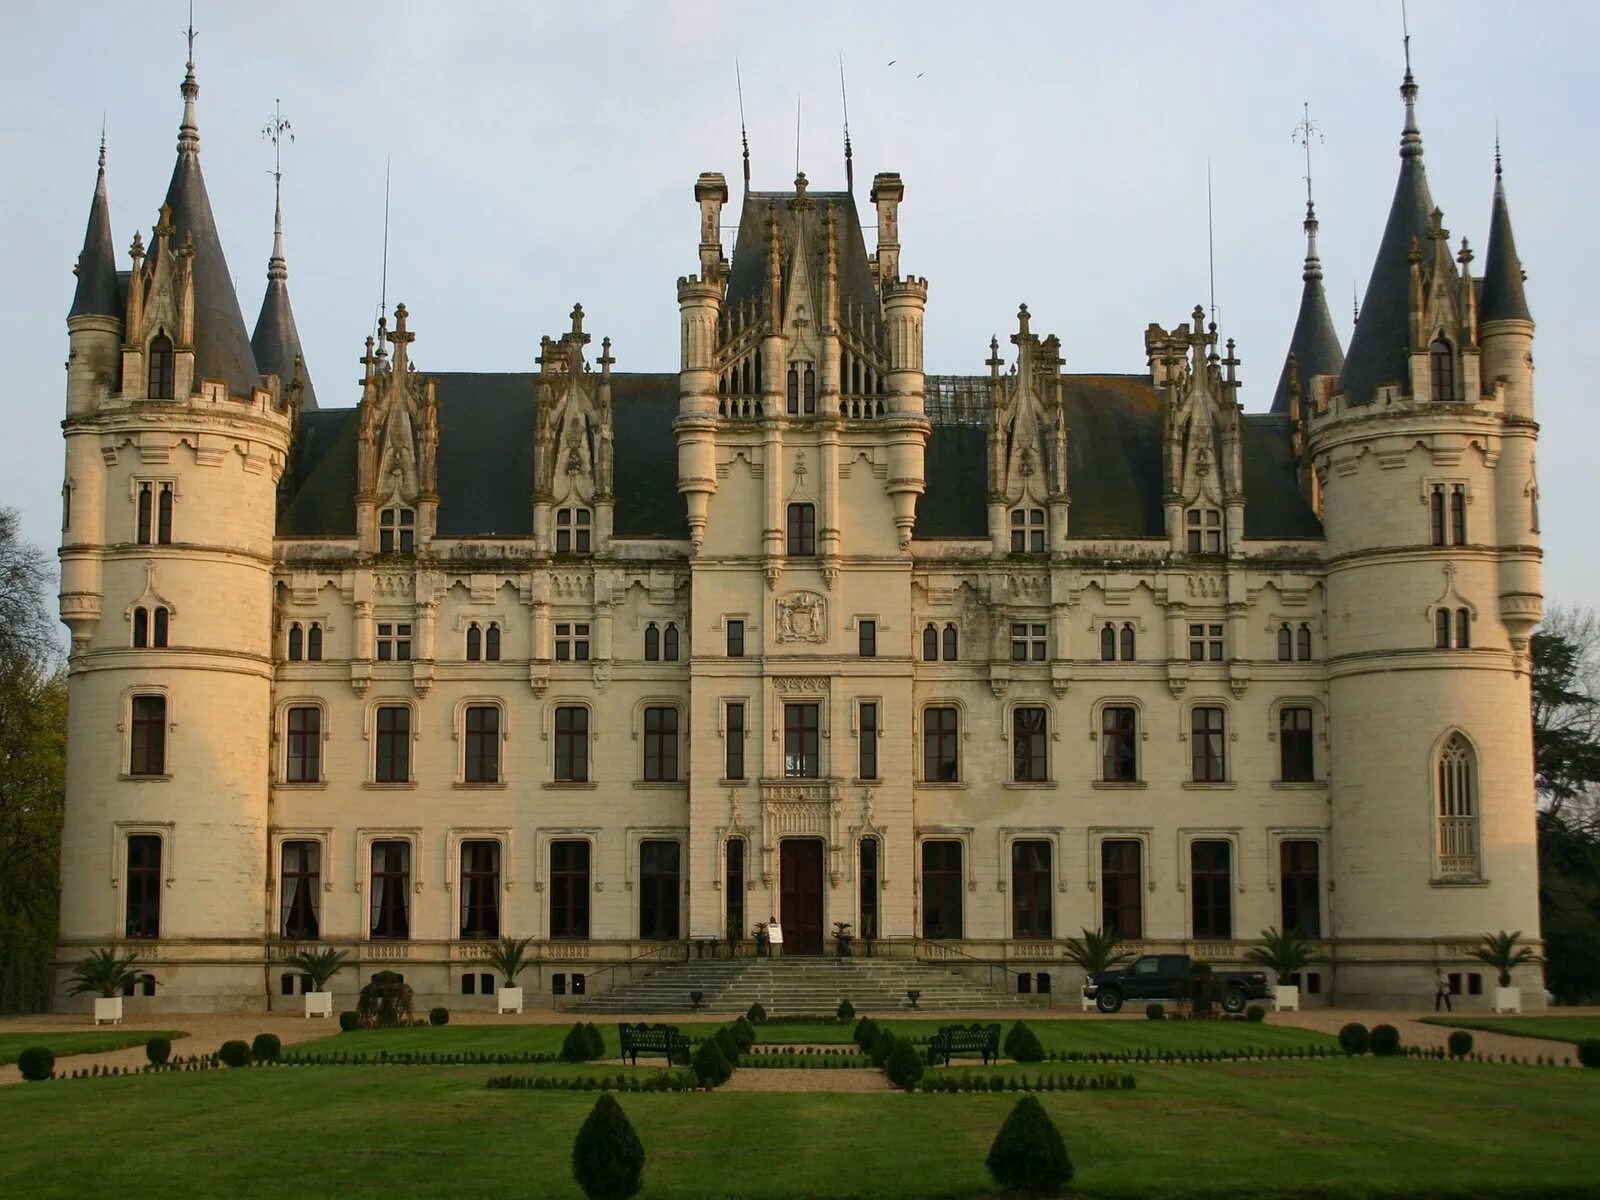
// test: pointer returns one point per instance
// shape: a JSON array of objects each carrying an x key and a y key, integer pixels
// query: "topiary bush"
[
  {"x": 349, "y": 1022},
  {"x": 756, "y": 1014},
  {"x": 575, "y": 1046},
  {"x": 439, "y": 1015},
  {"x": 235, "y": 1053},
  {"x": 1255, "y": 1013},
  {"x": 385, "y": 1000},
  {"x": 36, "y": 1063},
  {"x": 1155, "y": 1012},
  {"x": 727, "y": 1044},
  {"x": 904, "y": 1065},
  {"x": 879, "y": 1053},
  {"x": 846, "y": 1011},
  {"x": 158, "y": 1050},
  {"x": 866, "y": 1034},
  {"x": 1354, "y": 1038},
  {"x": 744, "y": 1034},
  {"x": 1385, "y": 1041},
  {"x": 710, "y": 1065},
  {"x": 594, "y": 1040},
  {"x": 1589, "y": 1052},
  {"x": 266, "y": 1047},
  {"x": 1028, "y": 1154},
  {"x": 1023, "y": 1044},
  {"x": 1460, "y": 1044},
  {"x": 607, "y": 1158}
]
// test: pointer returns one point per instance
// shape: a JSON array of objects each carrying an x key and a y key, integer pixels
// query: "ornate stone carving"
[
  {"x": 803, "y": 617},
  {"x": 801, "y": 684}
]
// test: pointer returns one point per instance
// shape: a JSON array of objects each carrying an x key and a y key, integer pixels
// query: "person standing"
[{"x": 1441, "y": 989}]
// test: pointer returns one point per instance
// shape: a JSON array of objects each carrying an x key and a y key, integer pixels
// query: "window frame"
[
  {"x": 1116, "y": 894},
  {"x": 397, "y": 529},
  {"x": 867, "y": 637},
  {"x": 153, "y": 764},
  {"x": 382, "y": 764},
  {"x": 1204, "y": 765},
  {"x": 405, "y": 874},
  {"x": 1108, "y": 736},
  {"x": 313, "y": 894},
  {"x": 869, "y": 721},
  {"x": 142, "y": 886},
  {"x": 565, "y": 895},
  {"x": 1213, "y": 899},
  {"x": 800, "y": 528},
  {"x": 941, "y": 743},
  {"x": 570, "y": 747},
  {"x": 471, "y": 887},
  {"x": 482, "y": 746},
  {"x": 660, "y": 891},
  {"x": 1030, "y": 763},
  {"x": 393, "y": 639},
  {"x": 735, "y": 724},
  {"x": 661, "y": 744},
  {"x": 951, "y": 912},
  {"x": 574, "y": 525},
  {"x": 802, "y": 739},
  {"x": 734, "y": 630},
  {"x": 312, "y": 758},
  {"x": 1303, "y": 746},
  {"x": 1304, "y": 894},
  {"x": 573, "y": 645},
  {"x": 1457, "y": 809},
  {"x": 1039, "y": 888}
]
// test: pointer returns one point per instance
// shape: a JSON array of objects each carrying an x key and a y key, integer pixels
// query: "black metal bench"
[
  {"x": 664, "y": 1040},
  {"x": 965, "y": 1039}
]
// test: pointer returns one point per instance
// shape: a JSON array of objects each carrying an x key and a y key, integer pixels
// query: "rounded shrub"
[
  {"x": 575, "y": 1046},
  {"x": 710, "y": 1065},
  {"x": 866, "y": 1034},
  {"x": 904, "y": 1066},
  {"x": 1255, "y": 1013},
  {"x": 1028, "y": 1154},
  {"x": 1589, "y": 1052},
  {"x": 349, "y": 1022},
  {"x": 1460, "y": 1043},
  {"x": 1155, "y": 1012},
  {"x": 846, "y": 1011},
  {"x": 1023, "y": 1044},
  {"x": 727, "y": 1044},
  {"x": 594, "y": 1040},
  {"x": 439, "y": 1015},
  {"x": 1385, "y": 1041},
  {"x": 158, "y": 1050},
  {"x": 607, "y": 1157},
  {"x": 235, "y": 1053},
  {"x": 756, "y": 1013},
  {"x": 1354, "y": 1038},
  {"x": 36, "y": 1063},
  {"x": 266, "y": 1047},
  {"x": 879, "y": 1053}
]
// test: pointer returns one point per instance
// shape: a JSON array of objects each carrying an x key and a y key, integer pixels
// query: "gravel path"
[
  {"x": 805, "y": 1079},
  {"x": 1414, "y": 1032}
]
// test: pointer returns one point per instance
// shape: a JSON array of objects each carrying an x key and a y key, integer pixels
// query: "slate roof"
[
  {"x": 748, "y": 273},
  {"x": 1314, "y": 344},
  {"x": 276, "y": 341},
  {"x": 1502, "y": 298},
  {"x": 96, "y": 293}
]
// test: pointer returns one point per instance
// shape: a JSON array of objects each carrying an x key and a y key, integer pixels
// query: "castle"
[{"x": 623, "y": 662}]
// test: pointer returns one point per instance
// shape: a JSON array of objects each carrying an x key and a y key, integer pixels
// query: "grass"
[
  {"x": 1555, "y": 1029},
  {"x": 1341, "y": 1128},
  {"x": 70, "y": 1042}
]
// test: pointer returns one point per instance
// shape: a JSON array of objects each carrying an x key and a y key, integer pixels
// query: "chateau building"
[{"x": 621, "y": 661}]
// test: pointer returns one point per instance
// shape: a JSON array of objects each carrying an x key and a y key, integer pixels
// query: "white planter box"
[
  {"x": 1286, "y": 998},
  {"x": 508, "y": 1000},
  {"x": 108, "y": 1008},
  {"x": 1088, "y": 1004},
  {"x": 319, "y": 1004},
  {"x": 1507, "y": 1000}
]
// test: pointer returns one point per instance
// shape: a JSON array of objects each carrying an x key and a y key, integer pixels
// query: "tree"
[{"x": 1097, "y": 950}]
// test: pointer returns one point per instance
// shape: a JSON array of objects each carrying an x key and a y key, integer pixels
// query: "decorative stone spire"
[
  {"x": 1503, "y": 296},
  {"x": 96, "y": 294}
]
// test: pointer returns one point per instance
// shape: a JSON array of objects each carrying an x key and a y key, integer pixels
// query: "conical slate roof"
[
  {"x": 1314, "y": 347},
  {"x": 276, "y": 341},
  {"x": 96, "y": 294},
  {"x": 1503, "y": 296}
]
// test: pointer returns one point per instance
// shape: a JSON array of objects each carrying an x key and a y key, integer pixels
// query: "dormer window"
[
  {"x": 397, "y": 531},
  {"x": 1027, "y": 531},
  {"x": 573, "y": 526},
  {"x": 161, "y": 361},
  {"x": 1205, "y": 531},
  {"x": 802, "y": 382},
  {"x": 1442, "y": 368}
]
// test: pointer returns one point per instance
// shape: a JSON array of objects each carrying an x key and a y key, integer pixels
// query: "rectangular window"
[
  {"x": 164, "y": 515},
  {"x": 1119, "y": 741},
  {"x": 802, "y": 530},
  {"x": 394, "y": 641},
  {"x": 1436, "y": 514},
  {"x": 1458, "y": 515},
  {"x": 1294, "y": 745},
  {"x": 1302, "y": 887},
  {"x": 300, "y": 891},
  {"x": 1029, "y": 756},
  {"x": 733, "y": 883},
  {"x": 1206, "y": 743},
  {"x": 573, "y": 529},
  {"x": 1121, "y": 887},
  {"x": 1030, "y": 890},
  {"x": 735, "y": 639},
  {"x": 868, "y": 748},
  {"x": 733, "y": 744},
  {"x": 1211, "y": 885},
  {"x": 391, "y": 889},
  {"x": 392, "y": 762},
  {"x": 661, "y": 745},
  {"x": 867, "y": 877},
  {"x": 569, "y": 889},
  {"x": 801, "y": 741},
  {"x": 942, "y": 889},
  {"x": 480, "y": 890},
  {"x": 572, "y": 641},
  {"x": 304, "y": 763},
  {"x": 658, "y": 890},
  {"x": 1205, "y": 643},
  {"x": 867, "y": 639},
  {"x": 147, "y": 740},
  {"x": 572, "y": 744},
  {"x": 483, "y": 744},
  {"x": 941, "y": 761},
  {"x": 397, "y": 531},
  {"x": 144, "y": 886},
  {"x": 1027, "y": 643},
  {"x": 146, "y": 513}
]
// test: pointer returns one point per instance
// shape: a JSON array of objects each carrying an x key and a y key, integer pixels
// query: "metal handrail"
[
  {"x": 948, "y": 951},
  {"x": 665, "y": 952}
]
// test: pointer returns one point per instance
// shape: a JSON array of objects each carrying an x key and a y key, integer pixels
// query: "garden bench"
[
  {"x": 664, "y": 1040},
  {"x": 965, "y": 1039}
]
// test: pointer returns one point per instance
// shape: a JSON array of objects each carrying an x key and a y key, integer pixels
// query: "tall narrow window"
[
  {"x": 164, "y": 514},
  {"x": 733, "y": 744},
  {"x": 952, "y": 643},
  {"x": 802, "y": 541},
  {"x": 1121, "y": 887},
  {"x": 930, "y": 644},
  {"x": 303, "y": 763},
  {"x": 569, "y": 889},
  {"x": 1294, "y": 745},
  {"x": 573, "y": 530},
  {"x": 1119, "y": 740},
  {"x": 162, "y": 368},
  {"x": 1285, "y": 643},
  {"x": 474, "y": 643},
  {"x": 669, "y": 643},
  {"x": 159, "y": 618},
  {"x": 867, "y": 639},
  {"x": 735, "y": 638},
  {"x": 147, "y": 739},
  {"x": 1206, "y": 744},
  {"x": 658, "y": 890},
  {"x": 144, "y": 887},
  {"x": 652, "y": 642},
  {"x": 297, "y": 642},
  {"x": 1436, "y": 515},
  {"x": 391, "y": 889},
  {"x": 810, "y": 388},
  {"x": 1441, "y": 629},
  {"x": 1030, "y": 890},
  {"x": 733, "y": 884},
  {"x": 1300, "y": 882},
  {"x": 141, "y": 628},
  {"x": 792, "y": 396},
  {"x": 1029, "y": 753},
  {"x": 1458, "y": 810},
  {"x": 1463, "y": 629},
  {"x": 942, "y": 889},
  {"x": 1211, "y": 885},
  {"x": 300, "y": 891},
  {"x": 1129, "y": 644},
  {"x": 572, "y": 744},
  {"x": 1442, "y": 366},
  {"x": 1302, "y": 643},
  {"x": 1108, "y": 642},
  {"x": 392, "y": 752},
  {"x": 1458, "y": 515},
  {"x": 145, "y": 503},
  {"x": 661, "y": 745},
  {"x": 801, "y": 741},
  {"x": 480, "y": 890},
  {"x": 397, "y": 531},
  {"x": 491, "y": 643},
  {"x": 314, "y": 643},
  {"x": 483, "y": 744},
  {"x": 868, "y": 763},
  {"x": 867, "y": 879},
  {"x": 941, "y": 761}
]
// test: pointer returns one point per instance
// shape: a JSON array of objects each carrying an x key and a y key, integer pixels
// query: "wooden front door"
[{"x": 800, "y": 895}]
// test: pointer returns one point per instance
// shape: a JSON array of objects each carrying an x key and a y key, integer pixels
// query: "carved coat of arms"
[{"x": 803, "y": 617}]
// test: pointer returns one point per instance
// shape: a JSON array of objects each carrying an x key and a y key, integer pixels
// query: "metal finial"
[
  {"x": 1303, "y": 133},
  {"x": 797, "y": 133},
  {"x": 191, "y": 36},
  {"x": 189, "y": 130},
  {"x": 1496, "y": 150},
  {"x": 103, "y": 145},
  {"x": 849, "y": 164},
  {"x": 1211, "y": 247},
  {"x": 275, "y": 130},
  {"x": 738, "y": 81}
]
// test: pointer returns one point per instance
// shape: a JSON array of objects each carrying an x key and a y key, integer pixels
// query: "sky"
[{"x": 1054, "y": 154}]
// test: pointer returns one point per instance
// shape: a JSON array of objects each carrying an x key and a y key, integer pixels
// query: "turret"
[
  {"x": 887, "y": 192},
  {"x": 700, "y": 312},
  {"x": 905, "y": 302},
  {"x": 1314, "y": 346},
  {"x": 276, "y": 340}
]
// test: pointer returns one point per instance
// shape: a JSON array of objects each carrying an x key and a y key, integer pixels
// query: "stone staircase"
[{"x": 798, "y": 985}]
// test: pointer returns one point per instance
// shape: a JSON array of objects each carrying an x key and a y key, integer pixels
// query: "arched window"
[
  {"x": 1285, "y": 644},
  {"x": 296, "y": 642},
  {"x": 669, "y": 643},
  {"x": 1442, "y": 366},
  {"x": 811, "y": 391},
  {"x": 314, "y": 643},
  {"x": 491, "y": 643},
  {"x": 158, "y": 628},
  {"x": 1436, "y": 515},
  {"x": 1458, "y": 515},
  {"x": 1441, "y": 629},
  {"x": 794, "y": 392},
  {"x": 1128, "y": 643},
  {"x": 1463, "y": 630},
  {"x": 652, "y": 642},
  {"x": 141, "y": 628},
  {"x": 930, "y": 644},
  {"x": 1303, "y": 643},
  {"x": 951, "y": 643},
  {"x": 1108, "y": 642},
  {"x": 474, "y": 642},
  {"x": 1458, "y": 810},
  {"x": 161, "y": 368}
]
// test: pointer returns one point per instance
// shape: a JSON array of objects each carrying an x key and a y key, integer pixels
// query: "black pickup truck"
[{"x": 1162, "y": 977}]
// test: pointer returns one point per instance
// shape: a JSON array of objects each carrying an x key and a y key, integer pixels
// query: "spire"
[
  {"x": 1503, "y": 297},
  {"x": 1314, "y": 346},
  {"x": 96, "y": 294},
  {"x": 276, "y": 341},
  {"x": 1379, "y": 346}
]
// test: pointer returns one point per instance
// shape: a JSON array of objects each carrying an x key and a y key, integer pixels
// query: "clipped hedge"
[
  {"x": 1589, "y": 1053},
  {"x": 1155, "y": 1012},
  {"x": 904, "y": 1065},
  {"x": 756, "y": 1013},
  {"x": 1460, "y": 1043},
  {"x": 266, "y": 1047},
  {"x": 846, "y": 1011},
  {"x": 867, "y": 1034},
  {"x": 710, "y": 1065},
  {"x": 439, "y": 1016},
  {"x": 349, "y": 1022},
  {"x": 1024, "y": 1045},
  {"x": 1385, "y": 1041},
  {"x": 1255, "y": 1013},
  {"x": 158, "y": 1050}
]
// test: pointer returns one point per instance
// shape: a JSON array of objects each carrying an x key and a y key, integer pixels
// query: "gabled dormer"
[
  {"x": 397, "y": 486},
  {"x": 573, "y": 491},
  {"x": 1027, "y": 445},
  {"x": 1444, "y": 325}
]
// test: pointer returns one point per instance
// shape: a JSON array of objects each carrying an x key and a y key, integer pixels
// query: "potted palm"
[
  {"x": 105, "y": 975},
  {"x": 1097, "y": 950},
  {"x": 869, "y": 930},
  {"x": 507, "y": 958},
  {"x": 1501, "y": 952},
  {"x": 320, "y": 966},
  {"x": 1285, "y": 954},
  {"x": 841, "y": 939},
  {"x": 763, "y": 940}
]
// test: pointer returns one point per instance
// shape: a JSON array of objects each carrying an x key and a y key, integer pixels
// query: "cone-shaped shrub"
[
  {"x": 235, "y": 1053},
  {"x": 1589, "y": 1052},
  {"x": 575, "y": 1046},
  {"x": 726, "y": 1043},
  {"x": 594, "y": 1041},
  {"x": 158, "y": 1050},
  {"x": 744, "y": 1034},
  {"x": 866, "y": 1034},
  {"x": 266, "y": 1047},
  {"x": 607, "y": 1159},
  {"x": 846, "y": 1011},
  {"x": 904, "y": 1065},
  {"x": 756, "y": 1013},
  {"x": 710, "y": 1065},
  {"x": 1023, "y": 1045},
  {"x": 879, "y": 1053},
  {"x": 36, "y": 1063},
  {"x": 1385, "y": 1041},
  {"x": 1028, "y": 1154},
  {"x": 1354, "y": 1038}
]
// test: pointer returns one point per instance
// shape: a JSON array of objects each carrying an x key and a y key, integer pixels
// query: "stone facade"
[{"x": 967, "y": 663}]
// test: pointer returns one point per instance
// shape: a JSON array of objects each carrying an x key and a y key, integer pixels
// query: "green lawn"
[
  {"x": 1556, "y": 1029},
  {"x": 1344, "y": 1128},
  {"x": 73, "y": 1042}
]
